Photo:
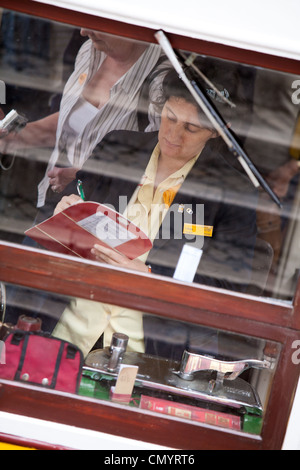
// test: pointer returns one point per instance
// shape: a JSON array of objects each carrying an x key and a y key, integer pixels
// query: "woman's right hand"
[{"x": 66, "y": 202}]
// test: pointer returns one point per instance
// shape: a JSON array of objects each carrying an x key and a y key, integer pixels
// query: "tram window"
[{"x": 93, "y": 117}]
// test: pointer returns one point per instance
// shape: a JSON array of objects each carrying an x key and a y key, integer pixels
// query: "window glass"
[
  {"x": 178, "y": 369},
  {"x": 111, "y": 113}
]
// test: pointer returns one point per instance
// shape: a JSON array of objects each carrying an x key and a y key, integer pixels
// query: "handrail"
[{"x": 147, "y": 292}]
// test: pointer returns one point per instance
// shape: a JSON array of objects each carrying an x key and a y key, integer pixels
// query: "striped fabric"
[{"x": 120, "y": 113}]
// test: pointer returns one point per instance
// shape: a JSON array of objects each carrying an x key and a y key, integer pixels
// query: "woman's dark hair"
[{"x": 173, "y": 86}]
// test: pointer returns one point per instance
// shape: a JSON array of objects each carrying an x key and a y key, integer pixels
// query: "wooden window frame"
[
  {"x": 171, "y": 299},
  {"x": 267, "y": 319},
  {"x": 213, "y": 49}
]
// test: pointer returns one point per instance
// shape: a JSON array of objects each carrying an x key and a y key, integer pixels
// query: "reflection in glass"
[
  {"x": 79, "y": 79},
  {"x": 187, "y": 371}
]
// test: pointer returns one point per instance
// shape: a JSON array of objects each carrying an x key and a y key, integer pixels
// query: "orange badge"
[
  {"x": 82, "y": 78},
  {"x": 170, "y": 194}
]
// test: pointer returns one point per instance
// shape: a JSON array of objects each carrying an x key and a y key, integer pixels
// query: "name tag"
[{"x": 193, "y": 229}]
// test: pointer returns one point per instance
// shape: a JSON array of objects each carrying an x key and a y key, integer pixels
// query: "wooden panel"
[
  {"x": 296, "y": 308},
  {"x": 150, "y": 293},
  {"x": 121, "y": 421},
  {"x": 168, "y": 298},
  {"x": 147, "y": 34},
  {"x": 115, "y": 420},
  {"x": 274, "y": 321},
  {"x": 104, "y": 418}
]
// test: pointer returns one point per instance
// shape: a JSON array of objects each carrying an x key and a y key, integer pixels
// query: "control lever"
[
  {"x": 117, "y": 349},
  {"x": 229, "y": 370}
]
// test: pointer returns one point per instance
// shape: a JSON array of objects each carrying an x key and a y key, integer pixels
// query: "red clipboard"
[{"x": 78, "y": 228}]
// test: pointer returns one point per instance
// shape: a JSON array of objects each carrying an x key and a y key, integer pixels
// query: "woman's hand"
[
  {"x": 101, "y": 253},
  {"x": 107, "y": 255},
  {"x": 66, "y": 202},
  {"x": 59, "y": 178}
]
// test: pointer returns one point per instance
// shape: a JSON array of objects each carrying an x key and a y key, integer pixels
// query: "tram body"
[{"x": 246, "y": 395}]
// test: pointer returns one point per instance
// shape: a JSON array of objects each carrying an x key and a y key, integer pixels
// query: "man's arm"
[{"x": 41, "y": 133}]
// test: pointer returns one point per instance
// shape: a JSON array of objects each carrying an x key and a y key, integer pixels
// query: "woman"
[
  {"x": 101, "y": 95},
  {"x": 181, "y": 155}
]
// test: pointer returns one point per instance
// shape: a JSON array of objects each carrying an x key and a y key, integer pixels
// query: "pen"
[{"x": 80, "y": 190}]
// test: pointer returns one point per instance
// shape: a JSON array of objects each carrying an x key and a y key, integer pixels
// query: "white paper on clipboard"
[
  {"x": 80, "y": 226},
  {"x": 111, "y": 231}
]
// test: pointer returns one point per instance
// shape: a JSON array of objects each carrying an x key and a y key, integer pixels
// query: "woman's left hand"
[
  {"x": 105, "y": 254},
  {"x": 66, "y": 202}
]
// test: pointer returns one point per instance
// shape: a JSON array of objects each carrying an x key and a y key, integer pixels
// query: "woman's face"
[{"x": 182, "y": 135}]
